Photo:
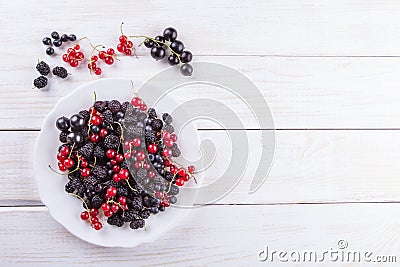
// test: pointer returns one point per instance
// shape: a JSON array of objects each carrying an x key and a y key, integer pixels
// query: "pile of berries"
[
  {"x": 44, "y": 69},
  {"x": 178, "y": 54},
  {"x": 118, "y": 158},
  {"x": 57, "y": 42}
]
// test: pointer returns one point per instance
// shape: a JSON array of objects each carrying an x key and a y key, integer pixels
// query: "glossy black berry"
[
  {"x": 60, "y": 72},
  {"x": 160, "y": 40},
  {"x": 55, "y": 35},
  {"x": 186, "y": 56},
  {"x": 177, "y": 46},
  {"x": 157, "y": 52},
  {"x": 74, "y": 138},
  {"x": 40, "y": 82},
  {"x": 173, "y": 60},
  {"x": 148, "y": 43},
  {"x": 46, "y": 41},
  {"x": 57, "y": 42},
  {"x": 170, "y": 34},
  {"x": 72, "y": 37},
  {"x": 50, "y": 51},
  {"x": 43, "y": 68},
  {"x": 62, "y": 123},
  {"x": 77, "y": 122},
  {"x": 186, "y": 69},
  {"x": 64, "y": 38}
]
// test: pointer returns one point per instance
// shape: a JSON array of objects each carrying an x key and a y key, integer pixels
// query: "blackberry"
[
  {"x": 169, "y": 176},
  {"x": 40, "y": 82},
  {"x": 169, "y": 128},
  {"x": 144, "y": 214},
  {"x": 116, "y": 220},
  {"x": 139, "y": 131},
  {"x": 63, "y": 137},
  {"x": 122, "y": 191},
  {"x": 88, "y": 203},
  {"x": 111, "y": 142},
  {"x": 60, "y": 72},
  {"x": 43, "y": 68},
  {"x": 99, "y": 153},
  {"x": 114, "y": 106},
  {"x": 175, "y": 150},
  {"x": 150, "y": 137},
  {"x": 69, "y": 188},
  {"x": 167, "y": 118},
  {"x": 108, "y": 116},
  {"x": 86, "y": 151},
  {"x": 90, "y": 181},
  {"x": 100, "y": 171},
  {"x": 84, "y": 114},
  {"x": 174, "y": 190},
  {"x": 141, "y": 173},
  {"x": 129, "y": 215},
  {"x": 97, "y": 201},
  {"x": 111, "y": 183},
  {"x": 124, "y": 106},
  {"x": 152, "y": 113},
  {"x": 100, "y": 106},
  {"x": 136, "y": 224}
]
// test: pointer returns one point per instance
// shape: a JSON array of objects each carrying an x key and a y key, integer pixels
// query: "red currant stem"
[
  {"x": 59, "y": 173},
  {"x": 86, "y": 206},
  {"x": 83, "y": 38},
  {"x": 91, "y": 113},
  {"x": 133, "y": 89},
  {"x": 127, "y": 181},
  {"x": 121, "y": 138},
  {"x": 94, "y": 164},
  {"x": 120, "y": 27},
  {"x": 116, "y": 203},
  {"x": 158, "y": 42},
  {"x": 95, "y": 47}
]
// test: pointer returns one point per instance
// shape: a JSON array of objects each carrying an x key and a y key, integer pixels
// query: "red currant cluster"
[
  {"x": 73, "y": 56},
  {"x": 125, "y": 45},
  {"x": 91, "y": 217}
]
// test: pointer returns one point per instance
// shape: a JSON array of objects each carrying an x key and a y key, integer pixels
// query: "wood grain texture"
[
  {"x": 213, "y": 235},
  {"x": 309, "y": 166},
  {"x": 302, "y": 93}
]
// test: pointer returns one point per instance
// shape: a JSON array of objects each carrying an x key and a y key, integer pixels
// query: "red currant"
[
  {"x": 123, "y": 38},
  {"x": 94, "y": 220},
  {"x": 110, "y": 153},
  {"x": 136, "y": 101},
  {"x": 167, "y": 163},
  {"x": 179, "y": 182},
  {"x": 146, "y": 166},
  {"x": 69, "y": 163},
  {"x": 113, "y": 162},
  {"x": 94, "y": 138},
  {"x": 97, "y": 71},
  {"x": 165, "y": 203},
  {"x": 186, "y": 177},
  {"x": 167, "y": 152},
  {"x": 71, "y": 51},
  {"x": 85, "y": 172},
  {"x": 169, "y": 143},
  {"x": 151, "y": 174},
  {"x": 108, "y": 213},
  {"x": 119, "y": 158},
  {"x": 114, "y": 208},
  {"x": 116, "y": 168},
  {"x": 143, "y": 107},
  {"x": 85, "y": 215},
  {"x": 152, "y": 148},
  {"x": 173, "y": 137},
  {"x": 94, "y": 212},
  {"x": 124, "y": 173},
  {"x": 60, "y": 156},
  {"x": 127, "y": 155},
  {"x": 159, "y": 195},
  {"x": 65, "y": 150},
  {"x": 65, "y": 58},
  {"x": 128, "y": 52},
  {"x": 103, "y": 133},
  {"x": 97, "y": 226},
  {"x": 110, "y": 51},
  {"x": 136, "y": 141},
  {"x": 109, "y": 60},
  {"x": 166, "y": 135},
  {"x": 73, "y": 63},
  {"x": 77, "y": 47},
  {"x": 111, "y": 191},
  {"x": 102, "y": 55},
  {"x": 96, "y": 120},
  {"x": 116, "y": 178},
  {"x": 122, "y": 200},
  {"x": 129, "y": 44},
  {"x": 105, "y": 207},
  {"x": 62, "y": 167},
  {"x": 79, "y": 55},
  {"x": 140, "y": 156},
  {"x": 191, "y": 169},
  {"x": 181, "y": 172},
  {"x": 94, "y": 58},
  {"x": 137, "y": 165},
  {"x": 84, "y": 163}
]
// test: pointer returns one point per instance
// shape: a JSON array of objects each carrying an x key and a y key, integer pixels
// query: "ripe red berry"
[
  {"x": 191, "y": 169},
  {"x": 165, "y": 203},
  {"x": 61, "y": 167},
  {"x": 167, "y": 163},
  {"x": 110, "y": 153},
  {"x": 181, "y": 172},
  {"x": 124, "y": 173},
  {"x": 123, "y": 39},
  {"x": 73, "y": 63},
  {"x": 79, "y": 55},
  {"x": 97, "y": 226},
  {"x": 94, "y": 138},
  {"x": 103, "y": 133},
  {"x": 114, "y": 208},
  {"x": 113, "y": 162},
  {"x": 93, "y": 212},
  {"x": 166, "y": 135},
  {"x": 127, "y": 155},
  {"x": 65, "y": 58},
  {"x": 96, "y": 120},
  {"x": 71, "y": 51},
  {"x": 129, "y": 44},
  {"x": 173, "y": 137},
  {"x": 65, "y": 150},
  {"x": 84, "y": 163},
  {"x": 173, "y": 170},
  {"x": 151, "y": 174},
  {"x": 169, "y": 142},
  {"x": 85, "y": 172},
  {"x": 159, "y": 195},
  {"x": 179, "y": 182},
  {"x": 110, "y": 51},
  {"x": 146, "y": 166},
  {"x": 77, "y": 47},
  {"x": 85, "y": 215},
  {"x": 167, "y": 152},
  {"x": 186, "y": 177},
  {"x": 127, "y": 145},
  {"x": 97, "y": 71},
  {"x": 94, "y": 220},
  {"x": 122, "y": 200},
  {"x": 140, "y": 156},
  {"x": 116, "y": 168},
  {"x": 136, "y": 101},
  {"x": 69, "y": 163},
  {"x": 108, "y": 213},
  {"x": 60, "y": 156},
  {"x": 128, "y": 52},
  {"x": 121, "y": 47},
  {"x": 109, "y": 60},
  {"x": 152, "y": 148},
  {"x": 111, "y": 191},
  {"x": 143, "y": 107},
  {"x": 116, "y": 178},
  {"x": 136, "y": 141},
  {"x": 91, "y": 66},
  {"x": 119, "y": 158},
  {"x": 105, "y": 206},
  {"x": 94, "y": 58},
  {"x": 137, "y": 165},
  {"x": 102, "y": 55}
]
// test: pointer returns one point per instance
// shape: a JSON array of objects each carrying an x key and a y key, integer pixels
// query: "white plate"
[{"x": 66, "y": 209}]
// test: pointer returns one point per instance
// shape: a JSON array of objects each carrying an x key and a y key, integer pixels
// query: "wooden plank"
[
  {"x": 309, "y": 166},
  {"x": 302, "y": 93},
  {"x": 306, "y": 28},
  {"x": 238, "y": 233}
]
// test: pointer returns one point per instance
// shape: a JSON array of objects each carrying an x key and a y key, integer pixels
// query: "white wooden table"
[{"x": 330, "y": 71}]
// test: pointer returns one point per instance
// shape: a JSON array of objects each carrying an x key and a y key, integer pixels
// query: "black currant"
[
  {"x": 50, "y": 51},
  {"x": 77, "y": 122},
  {"x": 177, "y": 46},
  {"x": 72, "y": 37},
  {"x": 148, "y": 43},
  {"x": 95, "y": 129},
  {"x": 74, "y": 138},
  {"x": 160, "y": 39},
  {"x": 157, "y": 52},
  {"x": 170, "y": 34},
  {"x": 46, "y": 41},
  {"x": 186, "y": 56},
  {"x": 186, "y": 69},
  {"x": 55, "y": 35},
  {"x": 57, "y": 42},
  {"x": 172, "y": 199},
  {"x": 173, "y": 60},
  {"x": 62, "y": 123},
  {"x": 64, "y": 38}
]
